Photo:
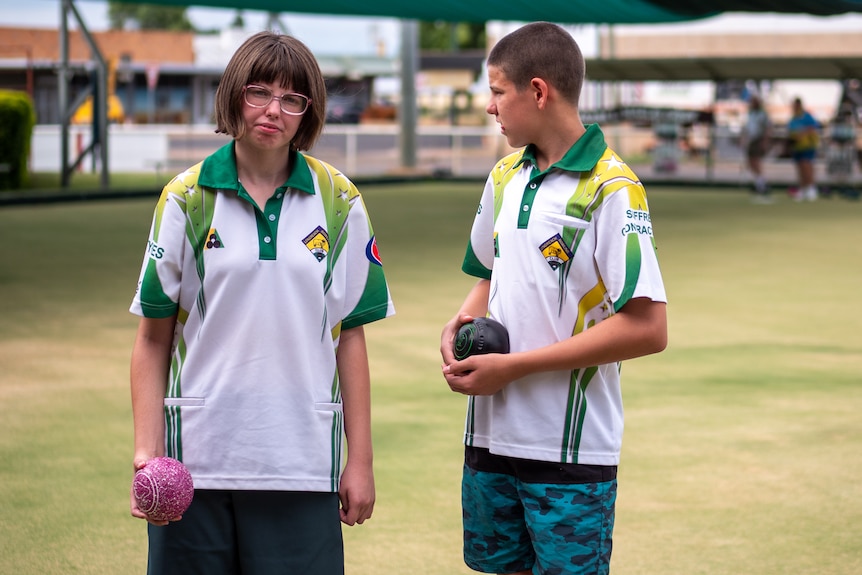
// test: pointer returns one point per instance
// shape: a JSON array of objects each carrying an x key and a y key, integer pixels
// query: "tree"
[
  {"x": 122, "y": 15},
  {"x": 451, "y": 36}
]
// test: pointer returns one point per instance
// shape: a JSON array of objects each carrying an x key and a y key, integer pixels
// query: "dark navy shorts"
[
  {"x": 553, "y": 518},
  {"x": 251, "y": 532}
]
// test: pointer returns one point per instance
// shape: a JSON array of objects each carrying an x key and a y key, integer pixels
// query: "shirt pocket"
[
  {"x": 337, "y": 407},
  {"x": 184, "y": 401},
  {"x": 562, "y": 220}
]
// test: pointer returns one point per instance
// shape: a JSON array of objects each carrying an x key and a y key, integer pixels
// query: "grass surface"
[
  {"x": 742, "y": 443},
  {"x": 91, "y": 180}
]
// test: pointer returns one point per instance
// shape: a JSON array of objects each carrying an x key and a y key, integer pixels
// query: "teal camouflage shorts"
[{"x": 553, "y": 518}]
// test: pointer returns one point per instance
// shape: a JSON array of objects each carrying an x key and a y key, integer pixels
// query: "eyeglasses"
[{"x": 290, "y": 103}]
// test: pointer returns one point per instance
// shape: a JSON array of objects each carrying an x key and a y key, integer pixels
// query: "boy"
[{"x": 562, "y": 244}]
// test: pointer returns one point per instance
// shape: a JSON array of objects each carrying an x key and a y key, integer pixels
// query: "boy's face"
[{"x": 512, "y": 109}]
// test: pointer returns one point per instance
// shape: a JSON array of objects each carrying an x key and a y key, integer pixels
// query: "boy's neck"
[{"x": 557, "y": 138}]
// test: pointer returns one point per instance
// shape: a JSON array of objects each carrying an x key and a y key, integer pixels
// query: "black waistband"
[{"x": 532, "y": 471}]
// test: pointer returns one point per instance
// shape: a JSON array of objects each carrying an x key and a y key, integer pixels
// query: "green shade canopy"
[
  {"x": 562, "y": 11},
  {"x": 815, "y": 7}
]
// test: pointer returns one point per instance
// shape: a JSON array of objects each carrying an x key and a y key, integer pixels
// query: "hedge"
[{"x": 17, "y": 118}]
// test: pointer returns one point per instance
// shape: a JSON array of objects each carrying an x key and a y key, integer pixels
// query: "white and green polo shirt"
[
  {"x": 564, "y": 249},
  {"x": 261, "y": 296}
]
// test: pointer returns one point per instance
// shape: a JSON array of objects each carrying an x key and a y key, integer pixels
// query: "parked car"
[{"x": 343, "y": 109}]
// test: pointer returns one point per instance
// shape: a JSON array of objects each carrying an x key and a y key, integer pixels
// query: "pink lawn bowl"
[{"x": 163, "y": 488}]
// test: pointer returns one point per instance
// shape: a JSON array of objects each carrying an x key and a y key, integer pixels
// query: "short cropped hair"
[
  {"x": 268, "y": 57},
  {"x": 541, "y": 50}
]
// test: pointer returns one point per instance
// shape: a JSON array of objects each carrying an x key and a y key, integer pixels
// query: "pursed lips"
[{"x": 269, "y": 127}]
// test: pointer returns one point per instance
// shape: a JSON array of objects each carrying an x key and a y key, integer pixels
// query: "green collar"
[
  {"x": 581, "y": 157},
  {"x": 219, "y": 171}
]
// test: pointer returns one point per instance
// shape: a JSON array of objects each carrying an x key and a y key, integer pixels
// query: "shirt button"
[
  {"x": 272, "y": 217},
  {"x": 279, "y": 195},
  {"x": 526, "y": 208},
  {"x": 533, "y": 186},
  {"x": 267, "y": 240}
]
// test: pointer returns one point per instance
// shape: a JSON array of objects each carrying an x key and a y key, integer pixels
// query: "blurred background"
[{"x": 671, "y": 96}]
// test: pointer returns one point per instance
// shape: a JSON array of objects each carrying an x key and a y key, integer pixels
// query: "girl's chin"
[{"x": 264, "y": 140}]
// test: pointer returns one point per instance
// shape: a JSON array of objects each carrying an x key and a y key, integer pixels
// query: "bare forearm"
[
  {"x": 149, "y": 373},
  {"x": 356, "y": 395},
  {"x": 356, "y": 490},
  {"x": 476, "y": 302},
  {"x": 634, "y": 332}
]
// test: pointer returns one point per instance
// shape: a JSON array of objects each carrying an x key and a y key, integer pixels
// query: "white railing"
[{"x": 364, "y": 149}]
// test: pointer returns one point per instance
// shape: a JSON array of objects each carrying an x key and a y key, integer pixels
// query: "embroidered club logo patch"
[
  {"x": 555, "y": 251},
  {"x": 317, "y": 243}
]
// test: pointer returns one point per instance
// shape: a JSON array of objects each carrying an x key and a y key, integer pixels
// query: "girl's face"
[{"x": 268, "y": 126}]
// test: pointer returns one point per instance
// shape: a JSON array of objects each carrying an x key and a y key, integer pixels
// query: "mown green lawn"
[{"x": 743, "y": 439}]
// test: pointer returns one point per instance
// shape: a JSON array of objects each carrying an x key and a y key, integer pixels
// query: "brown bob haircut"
[
  {"x": 271, "y": 58},
  {"x": 541, "y": 50}
]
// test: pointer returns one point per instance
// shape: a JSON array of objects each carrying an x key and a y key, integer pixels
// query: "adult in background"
[
  {"x": 803, "y": 131},
  {"x": 757, "y": 135},
  {"x": 562, "y": 245},
  {"x": 250, "y": 358}
]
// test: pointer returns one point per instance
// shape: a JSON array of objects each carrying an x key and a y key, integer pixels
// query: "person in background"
[
  {"x": 250, "y": 362},
  {"x": 803, "y": 132},
  {"x": 757, "y": 134},
  {"x": 562, "y": 245}
]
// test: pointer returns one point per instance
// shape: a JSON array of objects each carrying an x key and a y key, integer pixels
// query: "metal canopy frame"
[{"x": 97, "y": 88}]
